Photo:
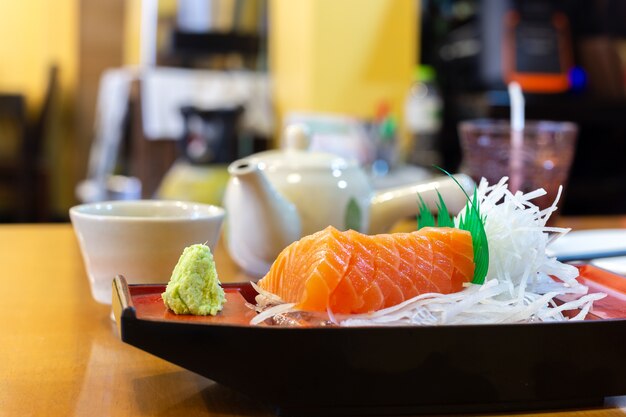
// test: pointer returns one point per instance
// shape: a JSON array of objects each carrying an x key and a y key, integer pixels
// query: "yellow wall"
[
  {"x": 35, "y": 34},
  {"x": 342, "y": 56},
  {"x": 132, "y": 29}
]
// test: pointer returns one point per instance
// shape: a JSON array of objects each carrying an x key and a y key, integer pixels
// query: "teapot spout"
[
  {"x": 260, "y": 221},
  {"x": 391, "y": 205}
]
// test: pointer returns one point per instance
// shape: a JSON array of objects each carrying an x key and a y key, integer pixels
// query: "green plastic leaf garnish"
[
  {"x": 443, "y": 215},
  {"x": 426, "y": 219},
  {"x": 471, "y": 220},
  {"x": 424, "y": 216},
  {"x": 353, "y": 216}
]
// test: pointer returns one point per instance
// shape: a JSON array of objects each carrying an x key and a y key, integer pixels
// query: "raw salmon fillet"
[{"x": 350, "y": 272}]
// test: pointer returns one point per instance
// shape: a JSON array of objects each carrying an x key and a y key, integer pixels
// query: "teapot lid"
[{"x": 296, "y": 154}]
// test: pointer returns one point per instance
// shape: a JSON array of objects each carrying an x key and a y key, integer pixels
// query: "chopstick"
[{"x": 591, "y": 255}]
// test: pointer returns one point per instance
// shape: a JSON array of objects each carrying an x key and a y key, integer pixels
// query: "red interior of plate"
[
  {"x": 149, "y": 306},
  {"x": 613, "y": 306}
]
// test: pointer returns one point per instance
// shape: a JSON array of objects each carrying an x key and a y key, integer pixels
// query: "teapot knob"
[{"x": 297, "y": 137}]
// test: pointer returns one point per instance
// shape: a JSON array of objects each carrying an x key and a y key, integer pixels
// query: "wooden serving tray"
[{"x": 390, "y": 370}]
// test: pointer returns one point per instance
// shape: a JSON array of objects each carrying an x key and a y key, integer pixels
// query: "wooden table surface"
[{"x": 60, "y": 354}]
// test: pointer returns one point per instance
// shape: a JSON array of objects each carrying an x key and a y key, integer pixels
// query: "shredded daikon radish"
[
  {"x": 265, "y": 298},
  {"x": 267, "y": 305},
  {"x": 519, "y": 286},
  {"x": 271, "y": 312},
  {"x": 517, "y": 236}
]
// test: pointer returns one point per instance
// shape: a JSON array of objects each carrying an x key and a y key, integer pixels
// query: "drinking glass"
[{"x": 539, "y": 156}]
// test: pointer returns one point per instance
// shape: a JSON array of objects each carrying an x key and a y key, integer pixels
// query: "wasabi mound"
[{"x": 194, "y": 287}]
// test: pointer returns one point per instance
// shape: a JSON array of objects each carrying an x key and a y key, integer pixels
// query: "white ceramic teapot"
[{"x": 274, "y": 198}]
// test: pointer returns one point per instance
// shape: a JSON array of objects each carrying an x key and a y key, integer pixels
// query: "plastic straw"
[{"x": 516, "y": 165}]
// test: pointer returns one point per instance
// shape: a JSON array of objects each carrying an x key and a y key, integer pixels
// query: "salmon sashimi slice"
[{"x": 350, "y": 272}]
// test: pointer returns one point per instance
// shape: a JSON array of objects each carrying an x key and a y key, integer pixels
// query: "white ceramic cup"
[{"x": 141, "y": 239}]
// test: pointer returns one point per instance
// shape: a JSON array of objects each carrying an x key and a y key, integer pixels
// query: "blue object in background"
[{"x": 577, "y": 79}]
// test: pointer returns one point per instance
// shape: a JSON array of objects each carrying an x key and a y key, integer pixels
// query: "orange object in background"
[{"x": 538, "y": 55}]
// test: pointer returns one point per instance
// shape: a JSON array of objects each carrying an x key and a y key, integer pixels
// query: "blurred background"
[{"x": 126, "y": 99}]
